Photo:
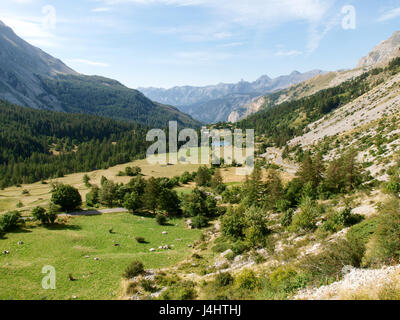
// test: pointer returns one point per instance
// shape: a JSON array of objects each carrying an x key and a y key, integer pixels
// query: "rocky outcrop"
[{"x": 383, "y": 52}]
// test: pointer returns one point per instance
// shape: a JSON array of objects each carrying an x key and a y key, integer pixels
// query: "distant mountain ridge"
[
  {"x": 32, "y": 78},
  {"x": 215, "y": 103}
]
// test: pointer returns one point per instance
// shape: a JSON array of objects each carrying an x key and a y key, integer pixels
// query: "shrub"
[
  {"x": 287, "y": 218},
  {"x": 384, "y": 247},
  {"x": 203, "y": 177},
  {"x": 86, "y": 181},
  {"x": 132, "y": 172},
  {"x": 140, "y": 240},
  {"x": 287, "y": 280},
  {"x": 256, "y": 230},
  {"x": 340, "y": 220},
  {"x": 92, "y": 198},
  {"x": 224, "y": 279},
  {"x": 40, "y": 214},
  {"x": 135, "y": 269},
  {"x": 232, "y": 224},
  {"x": 161, "y": 219},
  {"x": 199, "y": 222},
  {"x": 9, "y": 221},
  {"x": 108, "y": 194},
  {"x": 363, "y": 232},
  {"x": 327, "y": 266},
  {"x": 66, "y": 196},
  {"x": 148, "y": 286},
  {"x": 220, "y": 247},
  {"x": 306, "y": 218},
  {"x": 132, "y": 202},
  {"x": 186, "y": 178},
  {"x": 247, "y": 280},
  {"x": 184, "y": 290},
  {"x": 46, "y": 217}
]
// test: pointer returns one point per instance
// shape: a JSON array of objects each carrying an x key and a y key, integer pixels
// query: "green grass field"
[{"x": 65, "y": 247}]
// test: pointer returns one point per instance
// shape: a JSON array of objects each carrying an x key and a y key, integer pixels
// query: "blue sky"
[{"x": 164, "y": 43}]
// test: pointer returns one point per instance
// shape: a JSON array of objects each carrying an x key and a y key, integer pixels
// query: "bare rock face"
[
  {"x": 385, "y": 51},
  {"x": 21, "y": 64}
]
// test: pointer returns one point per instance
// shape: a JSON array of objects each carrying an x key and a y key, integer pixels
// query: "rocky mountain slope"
[
  {"x": 213, "y": 104},
  {"x": 383, "y": 52},
  {"x": 379, "y": 55},
  {"x": 32, "y": 78}
]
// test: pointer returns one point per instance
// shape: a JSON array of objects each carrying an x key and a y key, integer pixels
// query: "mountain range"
[
  {"x": 216, "y": 103},
  {"x": 32, "y": 78}
]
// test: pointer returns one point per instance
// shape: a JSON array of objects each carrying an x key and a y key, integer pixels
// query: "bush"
[
  {"x": 256, "y": 230},
  {"x": 287, "y": 218},
  {"x": 9, "y": 221},
  {"x": 220, "y": 247},
  {"x": 148, "y": 286},
  {"x": 161, "y": 219},
  {"x": 40, "y": 214},
  {"x": 224, "y": 279},
  {"x": 328, "y": 265},
  {"x": 186, "y": 178},
  {"x": 135, "y": 269},
  {"x": 384, "y": 246},
  {"x": 86, "y": 181},
  {"x": 341, "y": 220},
  {"x": 67, "y": 197},
  {"x": 184, "y": 290},
  {"x": 203, "y": 177},
  {"x": 92, "y": 198},
  {"x": 132, "y": 202},
  {"x": 132, "y": 172},
  {"x": 247, "y": 280},
  {"x": 140, "y": 240},
  {"x": 363, "y": 232},
  {"x": 199, "y": 222},
  {"x": 232, "y": 224},
  {"x": 287, "y": 280},
  {"x": 307, "y": 217}
]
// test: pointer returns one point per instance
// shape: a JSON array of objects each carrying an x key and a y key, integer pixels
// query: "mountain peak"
[{"x": 383, "y": 52}]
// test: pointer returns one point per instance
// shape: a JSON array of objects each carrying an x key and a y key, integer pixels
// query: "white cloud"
[
  {"x": 231, "y": 45},
  {"x": 31, "y": 29},
  {"x": 22, "y": 1},
  {"x": 392, "y": 14},
  {"x": 252, "y": 11},
  {"x": 102, "y": 9},
  {"x": 288, "y": 53},
  {"x": 89, "y": 63},
  {"x": 198, "y": 34},
  {"x": 261, "y": 14}
]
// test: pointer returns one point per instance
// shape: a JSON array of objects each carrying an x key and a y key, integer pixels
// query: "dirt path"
[{"x": 95, "y": 212}]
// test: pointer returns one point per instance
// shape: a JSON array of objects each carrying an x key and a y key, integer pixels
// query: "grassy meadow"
[
  {"x": 72, "y": 245},
  {"x": 39, "y": 194},
  {"x": 72, "y": 248}
]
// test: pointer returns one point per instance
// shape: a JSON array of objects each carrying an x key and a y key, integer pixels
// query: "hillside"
[
  {"x": 32, "y": 78},
  {"x": 41, "y": 144},
  {"x": 212, "y": 104},
  {"x": 381, "y": 54}
]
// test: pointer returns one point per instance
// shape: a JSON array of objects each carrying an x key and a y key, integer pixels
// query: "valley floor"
[{"x": 84, "y": 248}]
